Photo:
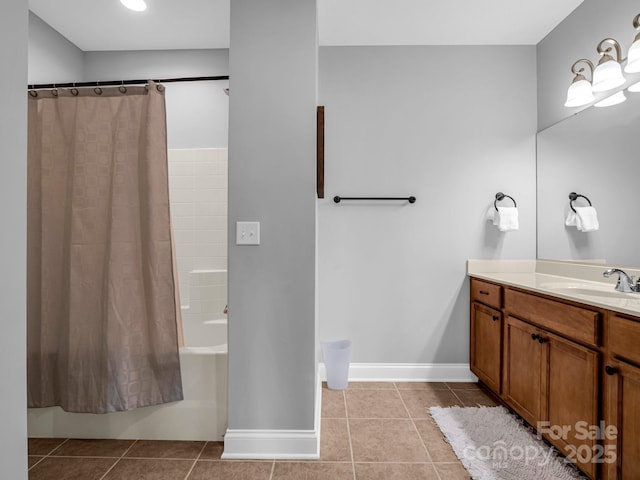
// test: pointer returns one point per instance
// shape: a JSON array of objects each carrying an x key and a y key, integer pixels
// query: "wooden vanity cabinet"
[
  {"x": 547, "y": 359},
  {"x": 550, "y": 379},
  {"x": 486, "y": 333},
  {"x": 622, "y": 400},
  {"x": 486, "y": 347},
  {"x": 523, "y": 369},
  {"x": 623, "y": 411},
  {"x": 572, "y": 378}
]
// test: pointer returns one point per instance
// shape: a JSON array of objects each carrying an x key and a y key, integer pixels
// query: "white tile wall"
[{"x": 198, "y": 193}]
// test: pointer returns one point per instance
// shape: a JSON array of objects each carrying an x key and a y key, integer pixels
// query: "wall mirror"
[{"x": 595, "y": 153}]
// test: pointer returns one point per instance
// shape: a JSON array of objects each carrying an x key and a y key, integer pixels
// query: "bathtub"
[{"x": 202, "y": 415}]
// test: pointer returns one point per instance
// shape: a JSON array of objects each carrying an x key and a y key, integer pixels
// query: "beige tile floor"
[{"x": 372, "y": 430}]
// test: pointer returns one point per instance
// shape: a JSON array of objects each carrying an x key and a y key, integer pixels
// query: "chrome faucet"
[{"x": 625, "y": 283}]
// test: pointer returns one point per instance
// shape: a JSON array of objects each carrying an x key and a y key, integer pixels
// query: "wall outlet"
[{"x": 247, "y": 233}]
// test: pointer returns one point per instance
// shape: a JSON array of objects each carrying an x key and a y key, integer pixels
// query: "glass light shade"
[
  {"x": 579, "y": 93},
  {"x": 635, "y": 88},
  {"x": 614, "y": 99},
  {"x": 607, "y": 75},
  {"x": 633, "y": 58},
  {"x": 135, "y": 5}
]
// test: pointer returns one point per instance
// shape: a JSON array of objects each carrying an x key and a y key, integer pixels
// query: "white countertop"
[{"x": 565, "y": 280}]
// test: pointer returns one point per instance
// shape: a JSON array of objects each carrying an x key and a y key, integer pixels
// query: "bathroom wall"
[
  {"x": 197, "y": 112},
  {"x": 13, "y": 185},
  {"x": 452, "y": 126},
  {"x": 577, "y": 37},
  {"x": 52, "y": 58},
  {"x": 272, "y": 180}
]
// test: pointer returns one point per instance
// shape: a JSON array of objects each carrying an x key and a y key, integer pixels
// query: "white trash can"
[{"x": 337, "y": 355}]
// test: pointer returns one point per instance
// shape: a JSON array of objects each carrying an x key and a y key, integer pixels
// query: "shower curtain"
[{"x": 102, "y": 334}]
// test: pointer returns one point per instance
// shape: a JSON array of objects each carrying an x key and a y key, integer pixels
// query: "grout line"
[
  {"x": 46, "y": 455},
  {"x": 414, "y": 425},
  {"x": 193, "y": 465},
  {"x": 118, "y": 460},
  {"x": 56, "y": 448},
  {"x": 424, "y": 445},
  {"x": 346, "y": 415},
  {"x": 459, "y": 399},
  {"x": 273, "y": 468},
  {"x": 41, "y": 459}
]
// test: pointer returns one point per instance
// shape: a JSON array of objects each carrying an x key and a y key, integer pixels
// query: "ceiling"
[{"x": 192, "y": 24}]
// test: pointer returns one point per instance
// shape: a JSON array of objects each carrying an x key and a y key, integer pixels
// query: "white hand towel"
[
  {"x": 572, "y": 219},
  {"x": 506, "y": 219},
  {"x": 587, "y": 219}
]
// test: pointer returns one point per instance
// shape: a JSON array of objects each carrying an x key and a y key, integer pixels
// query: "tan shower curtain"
[{"x": 102, "y": 333}]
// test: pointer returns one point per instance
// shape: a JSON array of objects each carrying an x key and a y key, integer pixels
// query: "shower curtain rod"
[{"x": 116, "y": 83}]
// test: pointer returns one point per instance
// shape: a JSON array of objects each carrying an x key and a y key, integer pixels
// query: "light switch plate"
[{"x": 247, "y": 233}]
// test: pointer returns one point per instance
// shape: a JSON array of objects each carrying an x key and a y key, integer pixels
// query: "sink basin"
[{"x": 587, "y": 289}]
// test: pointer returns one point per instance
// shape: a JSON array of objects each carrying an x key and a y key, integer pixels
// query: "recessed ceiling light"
[{"x": 135, "y": 5}]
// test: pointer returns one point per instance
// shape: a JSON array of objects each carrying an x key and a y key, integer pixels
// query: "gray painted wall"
[
  {"x": 577, "y": 37},
  {"x": 13, "y": 202},
  {"x": 52, "y": 58},
  {"x": 272, "y": 180},
  {"x": 452, "y": 126},
  {"x": 197, "y": 112}
]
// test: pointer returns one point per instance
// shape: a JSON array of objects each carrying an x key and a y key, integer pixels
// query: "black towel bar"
[{"x": 410, "y": 199}]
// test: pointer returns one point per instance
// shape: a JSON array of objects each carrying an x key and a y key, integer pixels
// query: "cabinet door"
[
  {"x": 571, "y": 400},
  {"x": 522, "y": 360},
  {"x": 623, "y": 411},
  {"x": 486, "y": 345}
]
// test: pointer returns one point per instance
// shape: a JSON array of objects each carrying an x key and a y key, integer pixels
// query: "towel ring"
[
  {"x": 573, "y": 196},
  {"x": 501, "y": 196}
]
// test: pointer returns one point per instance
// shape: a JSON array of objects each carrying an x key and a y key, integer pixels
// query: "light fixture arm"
[
  {"x": 604, "y": 52},
  {"x": 636, "y": 25},
  {"x": 578, "y": 71}
]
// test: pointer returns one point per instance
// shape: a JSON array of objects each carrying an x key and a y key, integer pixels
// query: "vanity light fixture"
[
  {"x": 579, "y": 92},
  {"x": 633, "y": 57},
  {"x": 614, "y": 99},
  {"x": 135, "y": 5},
  {"x": 608, "y": 74},
  {"x": 635, "y": 88}
]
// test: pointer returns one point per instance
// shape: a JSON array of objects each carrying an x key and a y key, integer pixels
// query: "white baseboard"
[
  {"x": 276, "y": 444},
  {"x": 271, "y": 444},
  {"x": 407, "y": 372}
]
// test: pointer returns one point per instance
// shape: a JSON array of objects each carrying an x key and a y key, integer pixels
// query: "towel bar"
[
  {"x": 573, "y": 196},
  {"x": 501, "y": 196},
  {"x": 410, "y": 199}
]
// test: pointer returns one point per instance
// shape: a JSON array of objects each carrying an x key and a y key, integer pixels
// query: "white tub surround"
[
  {"x": 202, "y": 415},
  {"x": 567, "y": 280}
]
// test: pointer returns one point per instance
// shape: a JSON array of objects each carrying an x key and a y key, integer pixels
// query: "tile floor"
[{"x": 373, "y": 430}]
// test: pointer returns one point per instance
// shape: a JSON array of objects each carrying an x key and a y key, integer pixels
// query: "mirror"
[{"x": 595, "y": 153}]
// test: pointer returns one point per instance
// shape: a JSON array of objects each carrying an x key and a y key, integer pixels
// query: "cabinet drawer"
[
  {"x": 624, "y": 337},
  {"x": 577, "y": 323},
  {"x": 486, "y": 293}
]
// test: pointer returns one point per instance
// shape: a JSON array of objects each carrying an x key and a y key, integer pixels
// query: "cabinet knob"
[
  {"x": 609, "y": 370},
  {"x": 542, "y": 339},
  {"x": 483, "y": 292},
  {"x": 534, "y": 336},
  {"x": 496, "y": 318}
]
